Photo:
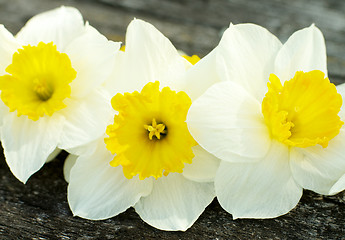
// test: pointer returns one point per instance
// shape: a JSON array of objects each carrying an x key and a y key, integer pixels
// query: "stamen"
[
  {"x": 155, "y": 129},
  {"x": 37, "y": 81},
  {"x": 147, "y": 146}
]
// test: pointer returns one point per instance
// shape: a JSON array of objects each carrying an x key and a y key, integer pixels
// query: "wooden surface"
[{"x": 39, "y": 210}]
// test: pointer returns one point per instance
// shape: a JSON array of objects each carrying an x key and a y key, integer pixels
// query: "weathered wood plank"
[{"x": 39, "y": 209}]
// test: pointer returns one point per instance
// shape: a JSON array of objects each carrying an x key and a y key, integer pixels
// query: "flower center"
[
  {"x": 43, "y": 90},
  {"x": 37, "y": 81},
  {"x": 303, "y": 112},
  {"x": 155, "y": 129},
  {"x": 149, "y": 149}
]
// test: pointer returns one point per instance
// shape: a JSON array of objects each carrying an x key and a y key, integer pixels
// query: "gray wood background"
[{"x": 39, "y": 210}]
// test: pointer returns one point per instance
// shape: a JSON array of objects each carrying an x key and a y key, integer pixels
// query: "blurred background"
[{"x": 195, "y": 26}]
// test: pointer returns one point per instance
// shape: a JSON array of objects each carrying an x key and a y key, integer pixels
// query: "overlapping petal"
[
  {"x": 153, "y": 57},
  {"x": 175, "y": 202},
  {"x": 203, "y": 168},
  {"x": 84, "y": 149},
  {"x": 341, "y": 91},
  {"x": 246, "y": 54},
  {"x": 86, "y": 119},
  {"x": 318, "y": 169},
  {"x": 54, "y": 154},
  {"x": 88, "y": 109},
  {"x": 93, "y": 57},
  {"x": 67, "y": 167},
  {"x": 227, "y": 120},
  {"x": 338, "y": 186},
  {"x": 264, "y": 189},
  {"x": 252, "y": 181},
  {"x": 27, "y": 144},
  {"x": 304, "y": 51},
  {"x": 8, "y": 46},
  {"x": 200, "y": 77},
  {"x": 99, "y": 191}
]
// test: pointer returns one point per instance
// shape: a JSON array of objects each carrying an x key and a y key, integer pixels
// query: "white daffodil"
[
  {"x": 273, "y": 119},
  {"x": 147, "y": 158},
  {"x": 51, "y": 74}
]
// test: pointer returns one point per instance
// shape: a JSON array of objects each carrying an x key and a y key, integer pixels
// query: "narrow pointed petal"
[
  {"x": 304, "y": 51},
  {"x": 27, "y": 144},
  {"x": 226, "y": 120},
  {"x": 98, "y": 191},
  {"x": 246, "y": 55},
  {"x": 264, "y": 189},
  {"x": 175, "y": 203}
]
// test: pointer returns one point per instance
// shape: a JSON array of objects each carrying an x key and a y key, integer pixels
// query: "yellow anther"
[
  {"x": 155, "y": 129},
  {"x": 155, "y": 149},
  {"x": 37, "y": 81}
]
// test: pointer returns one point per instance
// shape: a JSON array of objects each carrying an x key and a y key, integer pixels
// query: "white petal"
[
  {"x": 86, "y": 119},
  {"x": 116, "y": 83},
  {"x": 69, "y": 163},
  {"x": 85, "y": 150},
  {"x": 341, "y": 91},
  {"x": 203, "y": 167},
  {"x": 338, "y": 186},
  {"x": 175, "y": 202},
  {"x": 53, "y": 155},
  {"x": 59, "y": 26},
  {"x": 226, "y": 120},
  {"x": 304, "y": 51},
  {"x": 264, "y": 189},
  {"x": 27, "y": 144},
  {"x": 98, "y": 191},
  {"x": 93, "y": 58},
  {"x": 318, "y": 169},
  {"x": 200, "y": 76},
  {"x": 4, "y": 110},
  {"x": 246, "y": 55},
  {"x": 8, "y": 46},
  {"x": 150, "y": 56}
]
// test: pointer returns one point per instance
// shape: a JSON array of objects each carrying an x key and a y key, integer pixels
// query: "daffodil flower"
[
  {"x": 50, "y": 82},
  {"x": 274, "y": 120},
  {"x": 146, "y": 158}
]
